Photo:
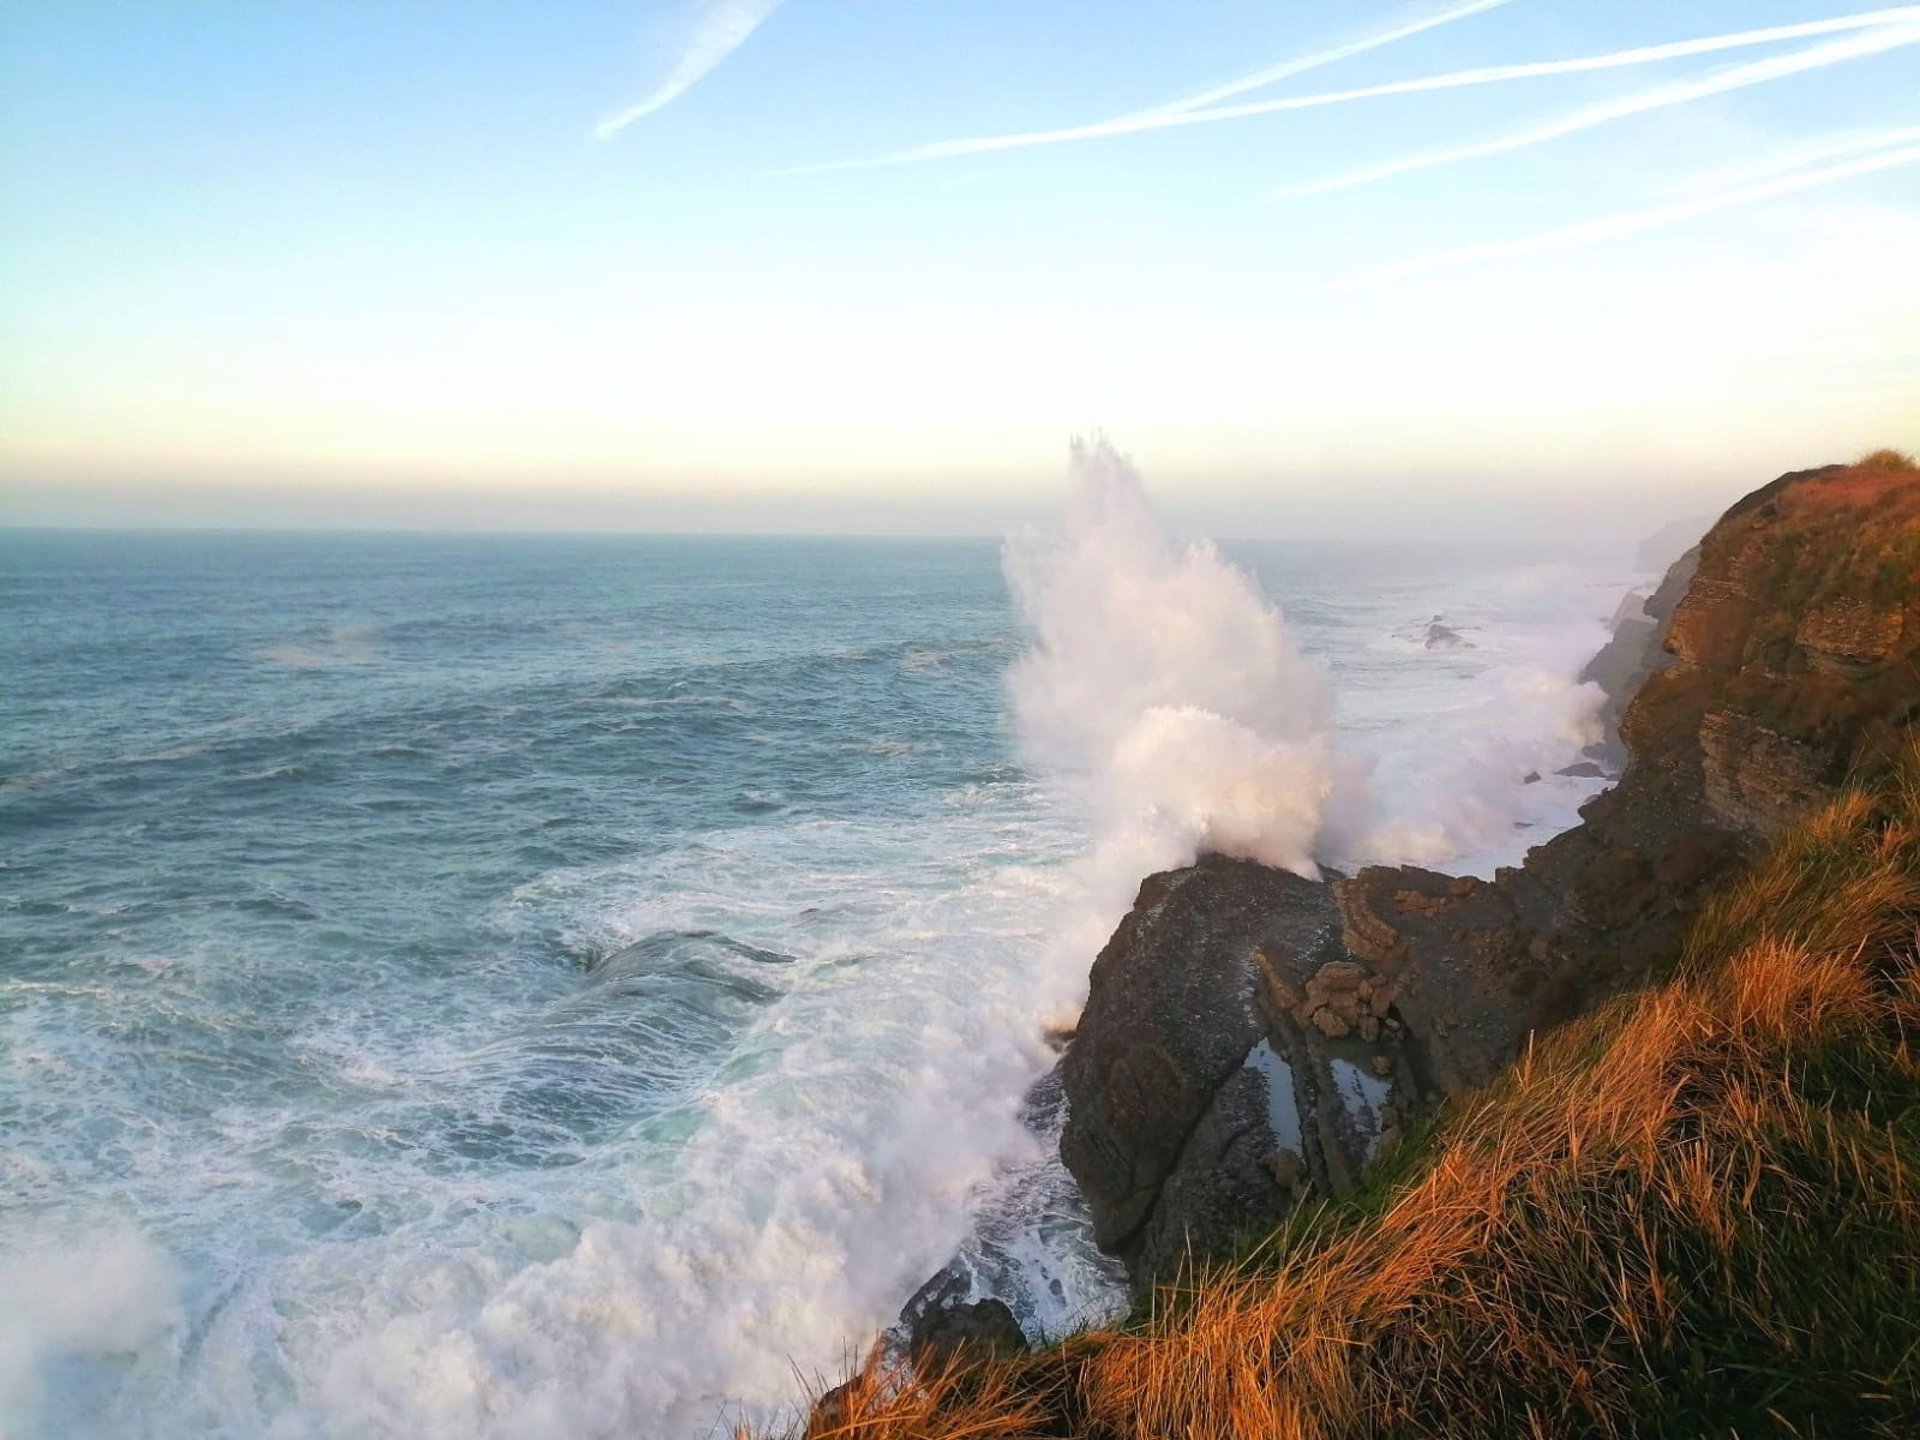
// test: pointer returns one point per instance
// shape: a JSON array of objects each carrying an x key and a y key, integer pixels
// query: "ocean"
[{"x": 465, "y": 985}]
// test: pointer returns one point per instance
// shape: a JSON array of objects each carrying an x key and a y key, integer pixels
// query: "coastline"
[{"x": 1256, "y": 1045}]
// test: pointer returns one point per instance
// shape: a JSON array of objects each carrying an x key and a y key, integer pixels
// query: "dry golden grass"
[
  {"x": 1694, "y": 1212},
  {"x": 1888, "y": 459}
]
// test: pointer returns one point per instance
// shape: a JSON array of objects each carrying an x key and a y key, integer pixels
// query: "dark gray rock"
[
  {"x": 943, "y": 1327},
  {"x": 1232, "y": 1060},
  {"x": 1223, "y": 1189},
  {"x": 1171, "y": 1013}
]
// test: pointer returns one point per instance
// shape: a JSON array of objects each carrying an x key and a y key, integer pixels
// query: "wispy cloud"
[
  {"x": 1173, "y": 112},
  {"x": 1873, "y": 40},
  {"x": 719, "y": 28},
  {"x": 1886, "y": 150},
  {"x": 1201, "y": 109}
]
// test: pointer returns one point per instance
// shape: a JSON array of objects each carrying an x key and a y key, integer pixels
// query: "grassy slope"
[{"x": 1695, "y": 1212}]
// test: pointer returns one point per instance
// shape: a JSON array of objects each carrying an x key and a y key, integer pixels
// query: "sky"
[{"x": 848, "y": 265}]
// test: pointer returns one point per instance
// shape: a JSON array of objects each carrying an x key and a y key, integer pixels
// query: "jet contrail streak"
[
  {"x": 1889, "y": 151},
  {"x": 1876, "y": 40},
  {"x": 1177, "y": 115},
  {"x": 1287, "y": 69}
]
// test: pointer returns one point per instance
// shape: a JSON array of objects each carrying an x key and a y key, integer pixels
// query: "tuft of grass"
[
  {"x": 1695, "y": 1211},
  {"x": 1888, "y": 459}
]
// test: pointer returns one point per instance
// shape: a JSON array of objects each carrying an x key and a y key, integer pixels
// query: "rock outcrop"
[
  {"x": 1180, "y": 1102},
  {"x": 1633, "y": 652},
  {"x": 1252, "y": 1037}
]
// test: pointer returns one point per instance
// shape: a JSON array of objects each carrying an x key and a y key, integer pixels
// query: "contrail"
[
  {"x": 1888, "y": 151},
  {"x": 1158, "y": 116},
  {"x": 1178, "y": 113},
  {"x": 1287, "y": 69},
  {"x": 1878, "y": 38},
  {"x": 721, "y": 27}
]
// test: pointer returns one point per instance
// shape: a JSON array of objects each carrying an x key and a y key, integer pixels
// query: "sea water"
[{"x": 566, "y": 986}]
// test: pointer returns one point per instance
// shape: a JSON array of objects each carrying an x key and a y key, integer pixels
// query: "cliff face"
[{"x": 1251, "y": 1037}]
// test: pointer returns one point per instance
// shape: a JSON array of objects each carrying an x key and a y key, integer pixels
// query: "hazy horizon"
[{"x": 1591, "y": 515}]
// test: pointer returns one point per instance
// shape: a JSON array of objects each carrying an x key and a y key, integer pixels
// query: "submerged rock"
[{"x": 944, "y": 1327}]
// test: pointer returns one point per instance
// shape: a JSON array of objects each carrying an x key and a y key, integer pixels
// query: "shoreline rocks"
[{"x": 1252, "y": 1038}]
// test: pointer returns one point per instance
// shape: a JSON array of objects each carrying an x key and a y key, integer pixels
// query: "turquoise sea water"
[{"x": 555, "y": 986}]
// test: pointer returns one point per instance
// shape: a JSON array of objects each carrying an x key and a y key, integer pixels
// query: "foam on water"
[{"x": 540, "y": 988}]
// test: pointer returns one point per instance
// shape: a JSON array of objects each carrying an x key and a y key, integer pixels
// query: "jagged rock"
[
  {"x": 830, "y": 1415},
  {"x": 1232, "y": 971},
  {"x": 1287, "y": 1169},
  {"x": 1441, "y": 636},
  {"x": 1222, "y": 1189},
  {"x": 1331, "y": 1023},
  {"x": 1756, "y": 780},
  {"x": 984, "y": 1329}
]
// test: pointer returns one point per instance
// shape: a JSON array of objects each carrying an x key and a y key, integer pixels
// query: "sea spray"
[
  {"x": 1165, "y": 686},
  {"x": 1164, "y": 690},
  {"x": 1461, "y": 806},
  {"x": 85, "y": 1305},
  {"x": 1162, "y": 693},
  {"x": 1483, "y": 767}
]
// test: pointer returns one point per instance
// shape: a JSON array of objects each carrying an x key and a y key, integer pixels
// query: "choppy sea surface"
[{"x": 566, "y": 986}]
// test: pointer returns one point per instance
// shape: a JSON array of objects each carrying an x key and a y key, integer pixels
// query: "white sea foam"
[{"x": 88, "y": 1302}]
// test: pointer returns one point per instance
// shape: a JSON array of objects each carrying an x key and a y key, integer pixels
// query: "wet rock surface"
[{"x": 943, "y": 1326}]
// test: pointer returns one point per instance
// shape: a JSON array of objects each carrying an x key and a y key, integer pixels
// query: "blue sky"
[{"x": 601, "y": 265}]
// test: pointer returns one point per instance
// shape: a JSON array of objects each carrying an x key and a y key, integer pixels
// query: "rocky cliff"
[{"x": 1252, "y": 1038}]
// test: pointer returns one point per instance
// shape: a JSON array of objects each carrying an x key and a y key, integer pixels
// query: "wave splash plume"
[{"x": 1161, "y": 678}]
